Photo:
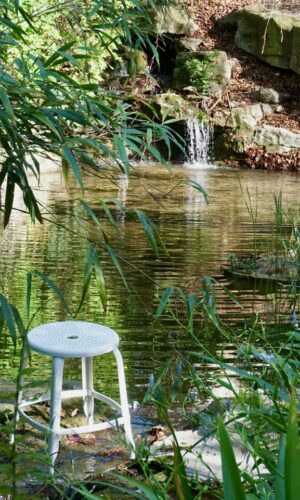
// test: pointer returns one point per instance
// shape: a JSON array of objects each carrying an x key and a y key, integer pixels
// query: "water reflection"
[{"x": 199, "y": 237}]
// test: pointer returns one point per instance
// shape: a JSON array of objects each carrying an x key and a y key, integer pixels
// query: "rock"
[
  {"x": 236, "y": 67},
  {"x": 187, "y": 44},
  {"x": 173, "y": 20},
  {"x": 202, "y": 457},
  {"x": 275, "y": 139},
  {"x": 172, "y": 105},
  {"x": 134, "y": 62},
  {"x": 238, "y": 129},
  {"x": 242, "y": 117},
  {"x": 273, "y": 36},
  {"x": 229, "y": 22},
  {"x": 269, "y": 96},
  {"x": 208, "y": 71}
]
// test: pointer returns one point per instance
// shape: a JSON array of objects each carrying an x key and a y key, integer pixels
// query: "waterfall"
[
  {"x": 199, "y": 137},
  {"x": 121, "y": 70}
]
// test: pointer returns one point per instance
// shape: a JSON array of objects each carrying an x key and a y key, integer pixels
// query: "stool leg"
[
  {"x": 88, "y": 386},
  {"x": 124, "y": 402},
  {"x": 20, "y": 392},
  {"x": 55, "y": 408}
]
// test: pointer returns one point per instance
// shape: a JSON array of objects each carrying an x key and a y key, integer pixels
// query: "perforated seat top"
[{"x": 72, "y": 339}]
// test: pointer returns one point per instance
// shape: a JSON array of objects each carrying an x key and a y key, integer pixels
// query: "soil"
[{"x": 250, "y": 73}]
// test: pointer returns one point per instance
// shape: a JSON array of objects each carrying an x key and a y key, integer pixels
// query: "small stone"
[
  {"x": 188, "y": 44},
  {"x": 268, "y": 96}
]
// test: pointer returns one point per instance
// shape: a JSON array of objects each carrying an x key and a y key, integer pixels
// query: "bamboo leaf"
[
  {"x": 9, "y": 199},
  {"x": 9, "y": 318},
  {"x": 90, "y": 212},
  {"x": 148, "y": 230},
  {"x": 28, "y": 293},
  {"x": 55, "y": 289},
  {"x": 88, "y": 270},
  {"x": 100, "y": 281},
  {"x": 164, "y": 300},
  {"x": 68, "y": 155},
  {"x": 58, "y": 53},
  {"x": 233, "y": 489},
  {"x": 198, "y": 188},
  {"x": 116, "y": 263},
  {"x": 7, "y": 104},
  {"x": 109, "y": 215}
]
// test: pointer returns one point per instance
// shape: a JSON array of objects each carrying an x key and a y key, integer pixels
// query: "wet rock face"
[{"x": 272, "y": 36}]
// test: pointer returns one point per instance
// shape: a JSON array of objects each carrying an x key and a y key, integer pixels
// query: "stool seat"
[{"x": 72, "y": 339}]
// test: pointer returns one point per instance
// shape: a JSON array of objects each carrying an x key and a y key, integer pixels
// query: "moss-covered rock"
[
  {"x": 272, "y": 36},
  {"x": 171, "y": 105},
  {"x": 208, "y": 71},
  {"x": 173, "y": 20}
]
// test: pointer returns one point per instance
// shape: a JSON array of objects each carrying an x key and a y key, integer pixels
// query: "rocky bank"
[{"x": 236, "y": 65}]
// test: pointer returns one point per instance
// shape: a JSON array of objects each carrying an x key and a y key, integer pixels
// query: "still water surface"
[{"x": 198, "y": 236}]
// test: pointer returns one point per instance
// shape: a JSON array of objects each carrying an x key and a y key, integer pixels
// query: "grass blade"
[
  {"x": 292, "y": 457},
  {"x": 233, "y": 488},
  {"x": 181, "y": 484}
]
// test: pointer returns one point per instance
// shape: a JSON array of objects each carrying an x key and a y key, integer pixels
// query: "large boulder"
[
  {"x": 275, "y": 139},
  {"x": 273, "y": 36},
  {"x": 173, "y": 20},
  {"x": 208, "y": 71}
]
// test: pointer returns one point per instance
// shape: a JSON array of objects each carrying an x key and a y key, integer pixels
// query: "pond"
[{"x": 198, "y": 236}]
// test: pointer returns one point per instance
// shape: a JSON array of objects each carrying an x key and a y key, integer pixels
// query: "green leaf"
[
  {"x": 7, "y": 104},
  {"x": 148, "y": 230},
  {"x": 28, "y": 293},
  {"x": 55, "y": 289},
  {"x": 100, "y": 281},
  {"x": 109, "y": 215},
  {"x": 68, "y": 155},
  {"x": 115, "y": 260},
  {"x": 181, "y": 484},
  {"x": 58, "y": 54},
  {"x": 280, "y": 483},
  {"x": 88, "y": 270},
  {"x": 292, "y": 457},
  {"x": 9, "y": 318},
  {"x": 198, "y": 188},
  {"x": 164, "y": 300},
  {"x": 233, "y": 489},
  {"x": 9, "y": 199},
  {"x": 90, "y": 212},
  {"x": 122, "y": 154},
  {"x": 147, "y": 490},
  {"x": 40, "y": 117}
]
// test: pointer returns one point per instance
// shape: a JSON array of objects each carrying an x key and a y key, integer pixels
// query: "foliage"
[
  {"x": 199, "y": 74},
  {"x": 46, "y": 113}
]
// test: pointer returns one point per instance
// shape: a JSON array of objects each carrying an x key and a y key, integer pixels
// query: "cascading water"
[{"x": 199, "y": 137}]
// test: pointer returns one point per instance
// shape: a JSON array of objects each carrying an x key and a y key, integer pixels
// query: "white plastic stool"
[{"x": 76, "y": 339}]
